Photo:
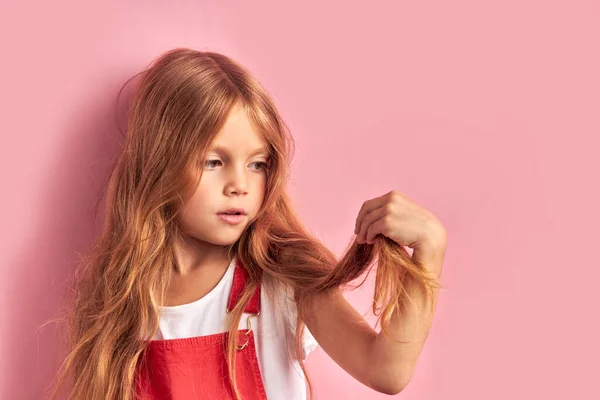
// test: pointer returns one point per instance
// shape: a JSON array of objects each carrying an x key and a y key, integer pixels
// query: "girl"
[{"x": 203, "y": 273}]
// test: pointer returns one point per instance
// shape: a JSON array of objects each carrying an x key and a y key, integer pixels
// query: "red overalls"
[{"x": 196, "y": 367}]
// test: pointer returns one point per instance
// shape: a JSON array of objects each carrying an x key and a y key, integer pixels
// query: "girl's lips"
[
  {"x": 231, "y": 219},
  {"x": 233, "y": 211}
]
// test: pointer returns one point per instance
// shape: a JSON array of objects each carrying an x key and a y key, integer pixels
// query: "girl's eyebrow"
[{"x": 221, "y": 149}]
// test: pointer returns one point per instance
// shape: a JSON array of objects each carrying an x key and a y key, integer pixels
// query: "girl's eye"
[
  {"x": 262, "y": 165},
  {"x": 210, "y": 163}
]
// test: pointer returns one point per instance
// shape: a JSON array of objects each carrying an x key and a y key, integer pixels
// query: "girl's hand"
[{"x": 394, "y": 215}]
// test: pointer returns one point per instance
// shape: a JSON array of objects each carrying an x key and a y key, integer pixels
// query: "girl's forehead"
[
  {"x": 239, "y": 135},
  {"x": 251, "y": 149}
]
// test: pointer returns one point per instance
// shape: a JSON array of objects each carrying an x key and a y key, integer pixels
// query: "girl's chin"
[{"x": 225, "y": 240}]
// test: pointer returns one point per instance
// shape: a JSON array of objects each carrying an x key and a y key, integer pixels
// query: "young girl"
[{"x": 203, "y": 283}]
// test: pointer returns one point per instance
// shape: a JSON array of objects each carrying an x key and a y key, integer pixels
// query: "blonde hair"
[{"x": 182, "y": 100}]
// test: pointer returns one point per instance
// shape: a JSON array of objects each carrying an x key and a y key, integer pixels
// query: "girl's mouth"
[{"x": 233, "y": 218}]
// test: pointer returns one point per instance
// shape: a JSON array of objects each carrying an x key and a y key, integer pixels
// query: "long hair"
[{"x": 182, "y": 100}]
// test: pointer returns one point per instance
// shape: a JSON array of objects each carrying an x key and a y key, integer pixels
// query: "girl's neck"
[{"x": 192, "y": 254}]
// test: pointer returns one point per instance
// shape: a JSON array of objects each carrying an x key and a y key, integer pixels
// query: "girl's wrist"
[{"x": 431, "y": 250}]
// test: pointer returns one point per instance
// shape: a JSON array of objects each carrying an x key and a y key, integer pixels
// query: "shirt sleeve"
[{"x": 309, "y": 343}]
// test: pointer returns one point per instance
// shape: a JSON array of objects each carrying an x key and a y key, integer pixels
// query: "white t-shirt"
[{"x": 274, "y": 330}]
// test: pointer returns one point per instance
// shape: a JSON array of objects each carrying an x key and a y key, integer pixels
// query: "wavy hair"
[{"x": 182, "y": 100}]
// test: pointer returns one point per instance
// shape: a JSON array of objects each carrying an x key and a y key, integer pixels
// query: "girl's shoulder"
[{"x": 283, "y": 311}]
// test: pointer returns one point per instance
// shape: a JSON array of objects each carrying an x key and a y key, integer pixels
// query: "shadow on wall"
[{"x": 69, "y": 217}]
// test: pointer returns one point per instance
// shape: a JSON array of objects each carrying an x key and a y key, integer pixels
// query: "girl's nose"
[{"x": 238, "y": 183}]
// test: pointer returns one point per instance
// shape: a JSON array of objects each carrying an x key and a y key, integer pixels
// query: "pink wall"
[{"x": 485, "y": 114}]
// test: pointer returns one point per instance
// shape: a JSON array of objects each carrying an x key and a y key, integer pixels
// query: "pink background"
[{"x": 486, "y": 113}]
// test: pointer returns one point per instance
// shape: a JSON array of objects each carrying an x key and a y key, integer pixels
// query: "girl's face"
[{"x": 234, "y": 176}]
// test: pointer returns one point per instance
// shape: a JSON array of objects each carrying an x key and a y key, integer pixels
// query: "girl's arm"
[{"x": 371, "y": 357}]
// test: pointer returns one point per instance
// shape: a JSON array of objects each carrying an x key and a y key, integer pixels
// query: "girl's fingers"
[
  {"x": 375, "y": 229},
  {"x": 367, "y": 221},
  {"x": 368, "y": 207}
]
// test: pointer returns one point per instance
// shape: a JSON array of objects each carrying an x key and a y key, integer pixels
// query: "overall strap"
[{"x": 240, "y": 277}]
